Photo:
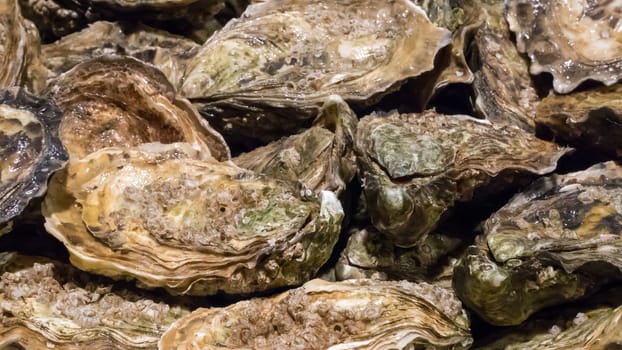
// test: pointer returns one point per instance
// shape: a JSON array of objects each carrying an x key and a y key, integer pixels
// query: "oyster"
[
  {"x": 321, "y": 157},
  {"x": 587, "y": 119},
  {"x": 573, "y": 40},
  {"x": 167, "y": 52},
  {"x": 414, "y": 167},
  {"x": 30, "y": 150},
  {"x": 131, "y": 213},
  {"x": 358, "y": 314},
  {"x": 121, "y": 101},
  {"x": 46, "y": 304},
  {"x": 505, "y": 93},
  {"x": 269, "y": 72},
  {"x": 557, "y": 241}
]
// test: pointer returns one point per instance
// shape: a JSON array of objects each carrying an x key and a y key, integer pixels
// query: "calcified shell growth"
[
  {"x": 557, "y": 241},
  {"x": 249, "y": 86},
  {"x": 414, "y": 167},
  {"x": 46, "y": 304},
  {"x": 360, "y": 314},
  {"x": 30, "y": 150},
  {"x": 120, "y": 101},
  {"x": 130, "y": 213},
  {"x": 572, "y": 40}
]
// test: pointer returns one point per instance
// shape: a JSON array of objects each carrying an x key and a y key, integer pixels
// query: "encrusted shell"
[
  {"x": 269, "y": 72},
  {"x": 131, "y": 213},
  {"x": 121, "y": 101},
  {"x": 357, "y": 314}
]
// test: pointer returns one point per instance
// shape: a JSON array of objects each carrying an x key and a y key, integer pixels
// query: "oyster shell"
[
  {"x": 414, "y": 167},
  {"x": 505, "y": 93},
  {"x": 131, "y": 213},
  {"x": 167, "y": 52},
  {"x": 572, "y": 40},
  {"x": 358, "y": 314},
  {"x": 46, "y": 304},
  {"x": 30, "y": 150},
  {"x": 121, "y": 101},
  {"x": 269, "y": 72},
  {"x": 587, "y": 119},
  {"x": 557, "y": 241},
  {"x": 321, "y": 157}
]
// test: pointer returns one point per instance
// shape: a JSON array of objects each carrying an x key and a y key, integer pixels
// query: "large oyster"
[
  {"x": 573, "y": 40},
  {"x": 271, "y": 70},
  {"x": 557, "y": 241},
  {"x": 46, "y": 304},
  {"x": 30, "y": 150},
  {"x": 414, "y": 167},
  {"x": 121, "y": 101},
  {"x": 358, "y": 314},
  {"x": 504, "y": 91},
  {"x": 190, "y": 226},
  {"x": 587, "y": 119},
  {"x": 167, "y": 52},
  {"x": 322, "y": 157}
]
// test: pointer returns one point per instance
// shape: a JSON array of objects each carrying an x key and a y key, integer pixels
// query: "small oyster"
[
  {"x": 414, "y": 167},
  {"x": 586, "y": 119},
  {"x": 131, "y": 213},
  {"x": 572, "y": 40},
  {"x": 504, "y": 91},
  {"x": 30, "y": 150},
  {"x": 121, "y": 101},
  {"x": 167, "y": 52},
  {"x": 557, "y": 241},
  {"x": 46, "y": 304},
  {"x": 358, "y": 314},
  {"x": 321, "y": 157},
  {"x": 270, "y": 71}
]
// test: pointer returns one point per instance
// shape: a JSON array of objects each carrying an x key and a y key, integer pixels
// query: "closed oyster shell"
[
  {"x": 557, "y": 241},
  {"x": 269, "y": 72},
  {"x": 30, "y": 150},
  {"x": 587, "y": 119},
  {"x": 357, "y": 314},
  {"x": 167, "y": 52},
  {"x": 504, "y": 91},
  {"x": 121, "y": 101},
  {"x": 572, "y": 40},
  {"x": 321, "y": 157},
  {"x": 414, "y": 167},
  {"x": 46, "y": 304},
  {"x": 191, "y": 226}
]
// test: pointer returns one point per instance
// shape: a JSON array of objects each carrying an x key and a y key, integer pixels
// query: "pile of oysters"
[{"x": 306, "y": 174}]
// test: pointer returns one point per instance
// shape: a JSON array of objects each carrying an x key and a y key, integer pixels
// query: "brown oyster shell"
[
  {"x": 131, "y": 213},
  {"x": 268, "y": 72},
  {"x": 321, "y": 157},
  {"x": 121, "y": 101},
  {"x": 572, "y": 40},
  {"x": 414, "y": 167},
  {"x": 169, "y": 53},
  {"x": 47, "y": 304},
  {"x": 357, "y": 314}
]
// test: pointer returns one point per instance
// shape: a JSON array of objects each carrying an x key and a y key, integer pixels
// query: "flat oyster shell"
[
  {"x": 46, "y": 304},
  {"x": 585, "y": 119},
  {"x": 357, "y": 314},
  {"x": 131, "y": 213},
  {"x": 121, "y": 101},
  {"x": 572, "y": 40},
  {"x": 168, "y": 52},
  {"x": 269, "y": 72},
  {"x": 557, "y": 241},
  {"x": 414, "y": 167},
  {"x": 30, "y": 149},
  {"x": 321, "y": 157}
]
